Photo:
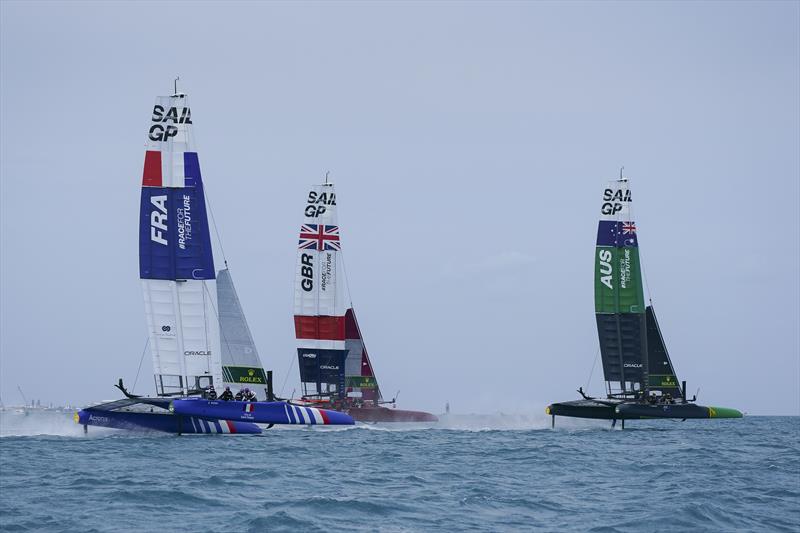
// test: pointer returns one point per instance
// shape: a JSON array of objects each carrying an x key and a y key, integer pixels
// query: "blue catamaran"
[{"x": 198, "y": 335}]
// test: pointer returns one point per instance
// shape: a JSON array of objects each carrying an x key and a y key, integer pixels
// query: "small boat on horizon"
[
  {"x": 640, "y": 378},
  {"x": 335, "y": 368}
]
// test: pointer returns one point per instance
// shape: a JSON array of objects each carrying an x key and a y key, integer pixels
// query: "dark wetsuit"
[
  {"x": 251, "y": 397},
  {"x": 239, "y": 396},
  {"x": 211, "y": 394},
  {"x": 226, "y": 395}
]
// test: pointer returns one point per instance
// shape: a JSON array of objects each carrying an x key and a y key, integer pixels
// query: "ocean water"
[{"x": 466, "y": 473}]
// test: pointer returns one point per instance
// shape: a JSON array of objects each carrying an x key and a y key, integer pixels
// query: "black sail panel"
[
  {"x": 622, "y": 346},
  {"x": 322, "y": 372},
  {"x": 661, "y": 375}
]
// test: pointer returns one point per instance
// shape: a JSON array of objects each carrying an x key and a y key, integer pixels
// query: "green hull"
[{"x": 679, "y": 410}]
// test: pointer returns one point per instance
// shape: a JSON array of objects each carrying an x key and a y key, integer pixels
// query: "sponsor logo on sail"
[
  {"x": 632, "y": 365},
  {"x": 625, "y": 268},
  {"x": 327, "y": 271},
  {"x": 184, "y": 218},
  {"x": 613, "y": 200},
  {"x": 165, "y": 331},
  {"x": 165, "y": 122},
  {"x": 310, "y": 355},
  {"x": 317, "y": 203},
  {"x": 329, "y": 367},
  {"x": 197, "y": 352},
  {"x": 251, "y": 377}
]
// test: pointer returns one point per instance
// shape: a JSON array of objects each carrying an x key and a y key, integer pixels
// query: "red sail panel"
[
  {"x": 350, "y": 326},
  {"x": 353, "y": 332},
  {"x": 151, "y": 177},
  {"x": 329, "y": 328}
]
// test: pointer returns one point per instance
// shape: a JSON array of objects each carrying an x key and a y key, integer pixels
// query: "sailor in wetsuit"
[
  {"x": 211, "y": 394},
  {"x": 226, "y": 395},
  {"x": 239, "y": 395},
  {"x": 250, "y": 396}
]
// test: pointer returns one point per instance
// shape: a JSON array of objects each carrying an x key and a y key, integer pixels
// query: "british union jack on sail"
[{"x": 319, "y": 237}]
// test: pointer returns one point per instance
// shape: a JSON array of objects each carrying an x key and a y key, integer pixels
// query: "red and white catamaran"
[{"x": 335, "y": 369}]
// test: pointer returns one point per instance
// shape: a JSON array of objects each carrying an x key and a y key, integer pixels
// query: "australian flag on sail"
[
  {"x": 174, "y": 242},
  {"x": 614, "y": 233},
  {"x": 319, "y": 237}
]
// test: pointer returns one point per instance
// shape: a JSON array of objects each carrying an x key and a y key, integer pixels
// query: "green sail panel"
[
  {"x": 363, "y": 382},
  {"x": 618, "y": 280},
  {"x": 239, "y": 375}
]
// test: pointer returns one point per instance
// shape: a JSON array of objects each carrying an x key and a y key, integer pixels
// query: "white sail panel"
[
  {"x": 316, "y": 284},
  {"x": 240, "y": 361},
  {"x": 317, "y": 291},
  {"x": 184, "y": 339},
  {"x": 319, "y": 317},
  {"x": 617, "y": 201}
]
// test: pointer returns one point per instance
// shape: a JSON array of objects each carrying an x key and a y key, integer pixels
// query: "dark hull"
[
  {"x": 384, "y": 414},
  {"x": 620, "y": 410},
  {"x": 134, "y": 415},
  {"x": 586, "y": 409}
]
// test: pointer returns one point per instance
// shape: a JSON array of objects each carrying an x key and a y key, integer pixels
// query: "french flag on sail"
[
  {"x": 179, "y": 169},
  {"x": 249, "y": 408}
]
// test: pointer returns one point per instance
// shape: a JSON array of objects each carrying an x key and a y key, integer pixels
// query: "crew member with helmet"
[
  {"x": 211, "y": 394},
  {"x": 226, "y": 395}
]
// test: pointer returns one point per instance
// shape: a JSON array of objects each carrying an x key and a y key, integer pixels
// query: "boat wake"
[
  {"x": 34, "y": 423},
  {"x": 473, "y": 422}
]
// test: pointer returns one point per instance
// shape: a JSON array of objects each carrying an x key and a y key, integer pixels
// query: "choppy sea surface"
[{"x": 466, "y": 473}]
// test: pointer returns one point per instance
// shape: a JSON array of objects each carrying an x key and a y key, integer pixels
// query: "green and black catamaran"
[{"x": 639, "y": 376}]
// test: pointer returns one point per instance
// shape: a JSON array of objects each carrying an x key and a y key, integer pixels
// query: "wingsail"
[
  {"x": 319, "y": 304},
  {"x": 619, "y": 298},
  {"x": 176, "y": 263}
]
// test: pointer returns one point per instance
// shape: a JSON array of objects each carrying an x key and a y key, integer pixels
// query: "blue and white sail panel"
[
  {"x": 174, "y": 242},
  {"x": 176, "y": 262}
]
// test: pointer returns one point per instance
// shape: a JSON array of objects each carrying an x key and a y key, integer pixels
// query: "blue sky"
[{"x": 470, "y": 143}]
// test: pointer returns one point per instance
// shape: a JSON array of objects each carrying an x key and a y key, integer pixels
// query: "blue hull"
[
  {"x": 121, "y": 415},
  {"x": 261, "y": 412}
]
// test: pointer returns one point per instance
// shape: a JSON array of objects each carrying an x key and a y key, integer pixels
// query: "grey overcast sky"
[{"x": 470, "y": 143}]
